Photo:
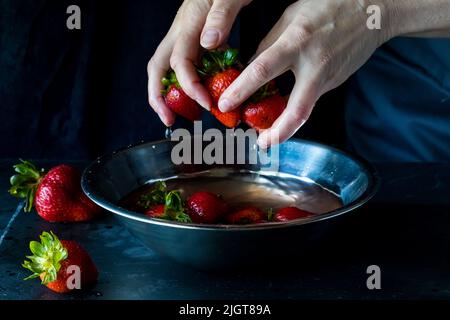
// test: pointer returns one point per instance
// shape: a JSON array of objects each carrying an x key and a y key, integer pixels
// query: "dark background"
[{"x": 77, "y": 94}]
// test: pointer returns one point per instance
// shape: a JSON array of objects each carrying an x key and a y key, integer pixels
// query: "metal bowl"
[{"x": 112, "y": 177}]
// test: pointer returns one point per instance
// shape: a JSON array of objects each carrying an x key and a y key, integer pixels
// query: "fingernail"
[
  {"x": 204, "y": 104},
  {"x": 209, "y": 38},
  {"x": 225, "y": 105}
]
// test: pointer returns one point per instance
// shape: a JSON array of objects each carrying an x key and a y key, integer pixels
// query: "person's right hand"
[{"x": 198, "y": 22}]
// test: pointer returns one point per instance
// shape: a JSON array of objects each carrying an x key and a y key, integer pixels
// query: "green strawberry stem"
[
  {"x": 212, "y": 62},
  {"x": 46, "y": 258},
  {"x": 270, "y": 214},
  {"x": 173, "y": 203},
  {"x": 169, "y": 80},
  {"x": 25, "y": 182},
  {"x": 174, "y": 207},
  {"x": 219, "y": 60},
  {"x": 156, "y": 196},
  {"x": 216, "y": 61}
]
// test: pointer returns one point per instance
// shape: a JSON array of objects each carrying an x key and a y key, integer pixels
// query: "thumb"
[{"x": 219, "y": 21}]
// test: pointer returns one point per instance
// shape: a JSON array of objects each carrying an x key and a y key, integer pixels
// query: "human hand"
[
  {"x": 322, "y": 42},
  {"x": 198, "y": 22}
]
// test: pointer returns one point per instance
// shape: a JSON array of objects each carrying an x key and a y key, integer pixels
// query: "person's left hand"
[{"x": 322, "y": 42}]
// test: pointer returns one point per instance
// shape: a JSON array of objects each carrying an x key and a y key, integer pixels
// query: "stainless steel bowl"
[{"x": 112, "y": 177}]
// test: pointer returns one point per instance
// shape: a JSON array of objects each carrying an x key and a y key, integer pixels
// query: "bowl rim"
[{"x": 368, "y": 168}]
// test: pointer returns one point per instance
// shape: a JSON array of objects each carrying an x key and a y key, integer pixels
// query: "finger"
[
  {"x": 218, "y": 24},
  {"x": 184, "y": 55},
  {"x": 188, "y": 78},
  {"x": 156, "y": 69},
  {"x": 270, "y": 64},
  {"x": 299, "y": 107}
]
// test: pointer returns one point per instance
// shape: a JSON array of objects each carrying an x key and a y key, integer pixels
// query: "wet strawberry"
[
  {"x": 56, "y": 195},
  {"x": 247, "y": 215},
  {"x": 262, "y": 114},
  {"x": 51, "y": 260},
  {"x": 220, "y": 70},
  {"x": 290, "y": 213},
  {"x": 206, "y": 207},
  {"x": 177, "y": 100}
]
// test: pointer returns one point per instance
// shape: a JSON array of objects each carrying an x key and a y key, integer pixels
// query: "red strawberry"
[
  {"x": 216, "y": 85},
  {"x": 51, "y": 260},
  {"x": 156, "y": 211},
  {"x": 56, "y": 195},
  {"x": 262, "y": 114},
  {"x": 221, "y": 71},
  {"x": 290, "y": 213},
  {"x": 177, "y": 100},
  {"x": 247, "y": 215},
  {"x": 206, "y": 207}
]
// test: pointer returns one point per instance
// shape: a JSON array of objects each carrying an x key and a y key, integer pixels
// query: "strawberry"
[
  {"x": 177, "y": 100},
  {"x": 263, "y": 108},
  {"x": 206, "y": 207},
  {"x": 159, "y": 203},
  {"x": 51, "y": 260},
  {"x": 220, "y": 70},
  {"x": 290, "y": 213},
  {"x": 156, "y": 211},
  {"x": 247, "y": 215},
  {"x": 56, "y": 195}
]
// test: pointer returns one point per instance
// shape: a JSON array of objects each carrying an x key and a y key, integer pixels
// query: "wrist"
[
  {"x": 393, "y": 18},
  {"x": 417, "y": 17}
]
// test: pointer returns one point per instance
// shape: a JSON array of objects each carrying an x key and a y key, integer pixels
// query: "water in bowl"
[{"x": 239, "y": 188}]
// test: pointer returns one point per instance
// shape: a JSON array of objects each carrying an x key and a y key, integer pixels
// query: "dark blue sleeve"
[{"x": 398, "y": 104}]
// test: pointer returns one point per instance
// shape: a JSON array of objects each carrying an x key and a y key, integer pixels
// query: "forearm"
[{"x": 423, "y": 18}]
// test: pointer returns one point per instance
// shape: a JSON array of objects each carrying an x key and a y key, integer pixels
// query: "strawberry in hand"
[
  {"x": 51, "y": 260},
  {"x": 220, "y": 69},
  {"x": 177, "y": 100},
  {"x": 56, "y": 195},
  {"x": 264, "y": 107}
]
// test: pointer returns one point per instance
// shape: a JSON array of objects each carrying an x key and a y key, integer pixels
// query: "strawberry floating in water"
[
  {"x": 247, "y": 215},
  {"x": 206, "y": 207},
  {"x": 290, "y": 213}
]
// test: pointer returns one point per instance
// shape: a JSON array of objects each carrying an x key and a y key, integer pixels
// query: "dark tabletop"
[{"x": 404, "y": 230}]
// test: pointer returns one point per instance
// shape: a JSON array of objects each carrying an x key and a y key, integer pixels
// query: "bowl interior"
[{"x": 112, "y": 177}]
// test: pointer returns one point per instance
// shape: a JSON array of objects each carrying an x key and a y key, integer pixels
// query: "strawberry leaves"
[
  {"x": 156, "y": 196},
  {"x": 168, "y": 80},
  {"x": 46, "y": 259},
  {"x": 216, "y": 61},
  {"x": 270, "y": 214},
  {"x": 173, "y": 203},
  {"x": 174, "y": 207},
  {"x": 25, "y": 182}
]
